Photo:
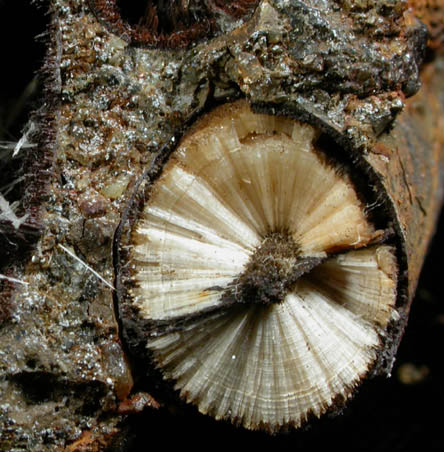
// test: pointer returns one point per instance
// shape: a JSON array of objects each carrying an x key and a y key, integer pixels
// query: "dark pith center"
[{"x": 273, "y": 269}]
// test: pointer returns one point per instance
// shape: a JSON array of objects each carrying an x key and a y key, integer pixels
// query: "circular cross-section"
[{"x": 259, "y": 286}]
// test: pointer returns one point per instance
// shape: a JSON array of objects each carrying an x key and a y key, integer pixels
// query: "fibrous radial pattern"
[{"x": 266, "y": 288}]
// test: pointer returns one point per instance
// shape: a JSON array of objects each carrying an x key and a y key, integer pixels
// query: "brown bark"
[
  {"x": 413, "y": 173},
  {"x": 410, "y": 169},
  {"x": 65, "y": 377}
]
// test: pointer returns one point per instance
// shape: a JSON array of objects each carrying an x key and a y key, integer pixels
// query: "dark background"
[{"x": 402, "y": 413}]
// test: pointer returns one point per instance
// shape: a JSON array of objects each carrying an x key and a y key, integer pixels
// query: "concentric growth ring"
[{"x": 262, "y": 289}]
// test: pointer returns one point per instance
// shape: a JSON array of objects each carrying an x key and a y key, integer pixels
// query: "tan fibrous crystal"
[{"x": 258, "y": 254}]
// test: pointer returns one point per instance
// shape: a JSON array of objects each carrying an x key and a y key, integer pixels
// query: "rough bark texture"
[{"x": 346, "y": 66}]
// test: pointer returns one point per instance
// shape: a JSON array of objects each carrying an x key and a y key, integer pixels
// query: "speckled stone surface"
[{"x": 108, "y": 108}]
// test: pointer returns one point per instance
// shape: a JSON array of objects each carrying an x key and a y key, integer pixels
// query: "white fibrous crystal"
[{"x": 229, "y": 185}]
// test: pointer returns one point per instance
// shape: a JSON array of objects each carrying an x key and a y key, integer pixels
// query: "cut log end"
[{"x": 255, "y": 273}]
